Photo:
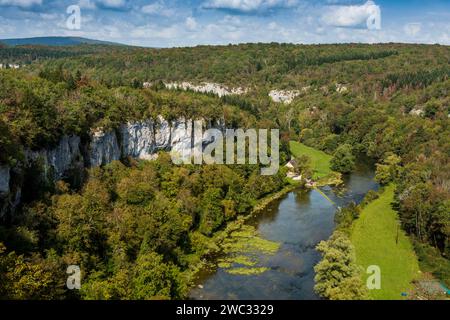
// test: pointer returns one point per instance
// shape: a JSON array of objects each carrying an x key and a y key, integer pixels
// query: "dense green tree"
[
  {"x": 82, "y": 218},
  {"x": 115, "y": 286},
  {"x": 343, "y": 160},
  {"x": 154, "y": 279},
  {"x": 337, "y": 275},
  {"x": 303, "y": 166},
  {"x": 212, "y": 215},
  {"x": 388, "y": 170},
  {"x": 345, "y": 216},
  {"x": 32, "y": 278}
]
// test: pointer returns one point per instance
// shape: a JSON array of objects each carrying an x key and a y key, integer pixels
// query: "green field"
[
  {"x": 320, "y": 160},
  {"x": 374, "y": 236}
]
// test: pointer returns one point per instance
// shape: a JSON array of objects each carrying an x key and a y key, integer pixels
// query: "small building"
[{"x": 291, "y": 165}]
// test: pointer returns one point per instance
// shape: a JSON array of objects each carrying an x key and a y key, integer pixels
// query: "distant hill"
[{"x": 54, "y": 41}]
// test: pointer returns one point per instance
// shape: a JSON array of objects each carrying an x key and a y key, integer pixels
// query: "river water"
[{"x": 299, "y": 221}]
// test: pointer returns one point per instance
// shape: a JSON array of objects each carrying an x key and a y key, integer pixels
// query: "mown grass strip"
[
  {"x": 379, "y": 240},
  {"x": 320, "y": 161}
]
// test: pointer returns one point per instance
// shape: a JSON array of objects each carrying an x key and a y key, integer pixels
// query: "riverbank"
[
  {"x": 263, "y": 203},
  {"x": 379, "y": 240},
  {"x": 240, "y": 251},
  {"x": 222, "y": 239},
  {"x": 297, "y": 222}
]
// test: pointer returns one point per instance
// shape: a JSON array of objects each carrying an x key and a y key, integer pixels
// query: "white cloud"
[
  {"x": 412, "y": 29},
  {"x": 20, "y": 3},
  {"x": 191, "y": 23},
  {"x": 249, "y": 5},
  {"x": 351, "y": 15},
  {"x": 157, "y": 8}
]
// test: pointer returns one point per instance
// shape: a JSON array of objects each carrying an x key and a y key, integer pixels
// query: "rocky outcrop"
[
  {"x": 10, "y": 195},
  {"x": 64, "y": 155},
  {"x": 287, "y": 96},
  {"x": 207, "y": 87},
  {"x": 4, "y": 179},
  {"x": 57, "y": 160},
  {"x": 181, "y": 136},
  {"x": 104, "y": 148},
  {"x": 140, "y": 140},
  {"x": 162, "y": 134},
  {"x": 282, "y": 96},
  {"x": 143, "y": 140}
]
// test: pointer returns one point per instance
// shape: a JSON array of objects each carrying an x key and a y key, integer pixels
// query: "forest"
[{"x": 138, "y": 227}]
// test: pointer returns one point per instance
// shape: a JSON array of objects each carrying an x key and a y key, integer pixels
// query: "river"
[{"x": 299, "y": 221}]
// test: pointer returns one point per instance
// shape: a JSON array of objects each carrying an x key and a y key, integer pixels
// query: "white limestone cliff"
[
  {"x": 104, "y": 148},
  {"x": 284, "y": 96},
  {"x": 60, "y": 158},
  {"x": 207, "y": 87},
  {"x": 139, "y": 140}
]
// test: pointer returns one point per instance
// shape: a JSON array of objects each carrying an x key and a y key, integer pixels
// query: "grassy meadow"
[
  {"x": 320, "y": 160},
  {"x": 374, "y": 236}
]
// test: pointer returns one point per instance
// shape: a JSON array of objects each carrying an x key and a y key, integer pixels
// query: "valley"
[{"x": 86, "y": 176}]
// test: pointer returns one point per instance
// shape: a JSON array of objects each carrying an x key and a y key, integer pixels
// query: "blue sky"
[{"x": 169, "y": 23}]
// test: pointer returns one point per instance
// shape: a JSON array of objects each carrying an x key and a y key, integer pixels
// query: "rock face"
[
  {"x": 4, "y": 179},
  {"x": 207, "y": 87},
  {"x": 59, "y": 159},
  {"x": 65, "y": 155},
  {"x": 181, "y": 136},
  {"x": 162, "y": 134},
  {"x": 140, "y": 140},
  {"x": 103, "y": 148},
  {"x": 283, "y": 96}
]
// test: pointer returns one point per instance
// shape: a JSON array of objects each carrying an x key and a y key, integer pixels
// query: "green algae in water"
[
  {"x": 242, "y": 249},
  {"x": 224, "y": 264},
  {"x": 228, "y": 262},
  {"x": 244, "y": 261},
  {"x": 246, "y": 240},
  {"x": 247, "y": 271}
]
